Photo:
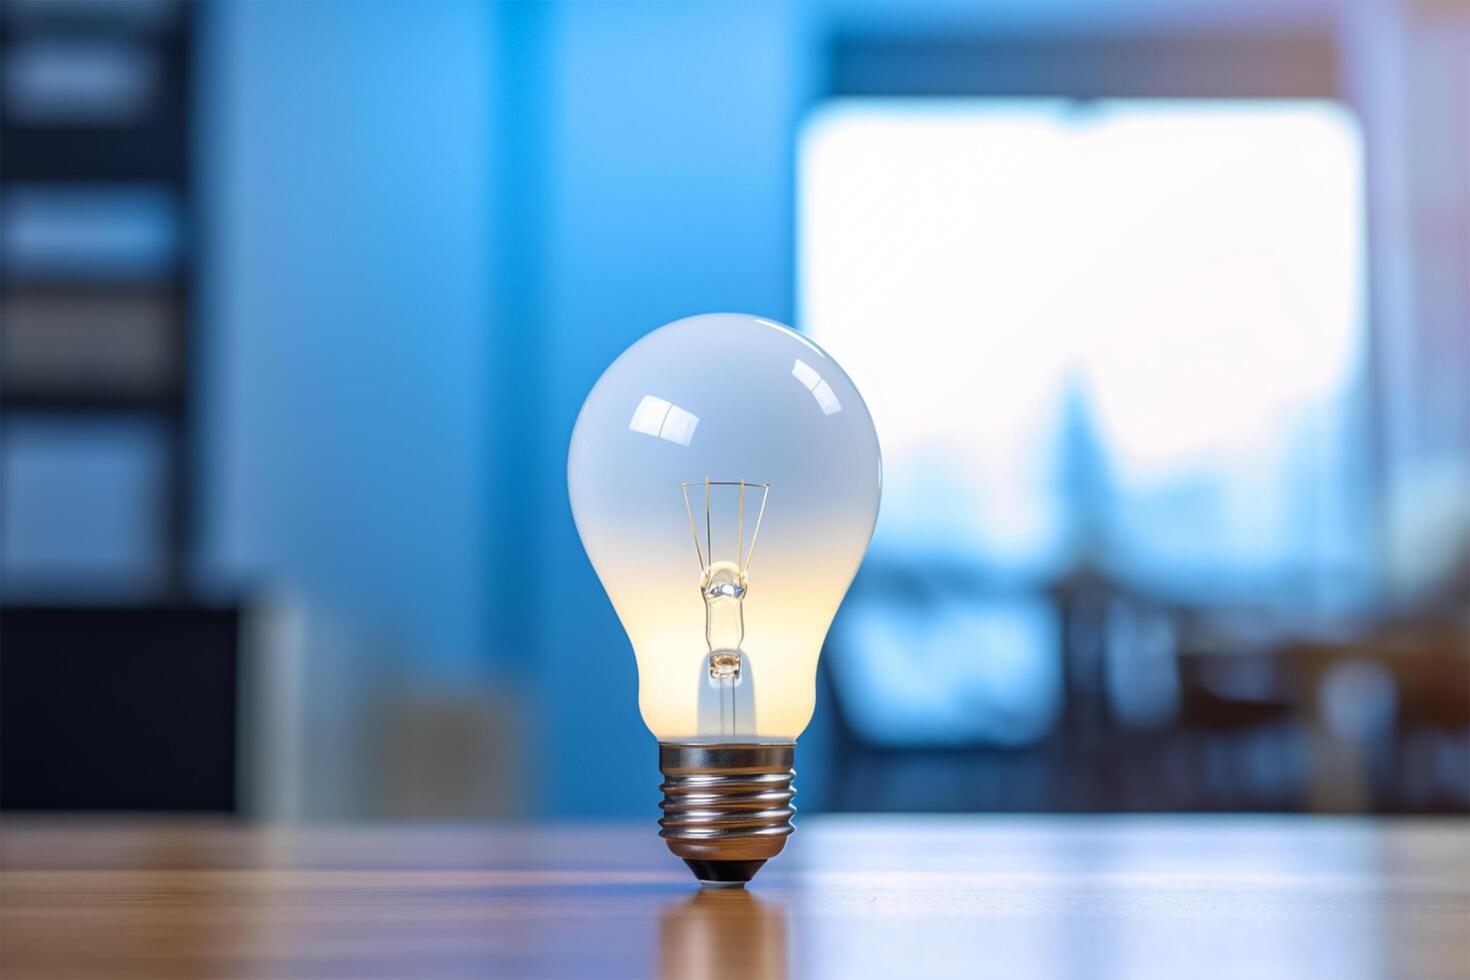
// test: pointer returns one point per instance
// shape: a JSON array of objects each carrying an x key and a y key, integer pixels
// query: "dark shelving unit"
[
  {"x": 118, "y": 696},
  {"x": 150, "y": 149}
]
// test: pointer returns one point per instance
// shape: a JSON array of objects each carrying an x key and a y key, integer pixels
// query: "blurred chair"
[{"x": 1386, "y": 711}]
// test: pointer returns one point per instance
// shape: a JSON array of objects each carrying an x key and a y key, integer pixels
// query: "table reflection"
[{"x": 722, "y": 933}]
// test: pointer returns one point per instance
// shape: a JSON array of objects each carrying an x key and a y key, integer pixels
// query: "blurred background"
[{"x": 1162, "y": 312}]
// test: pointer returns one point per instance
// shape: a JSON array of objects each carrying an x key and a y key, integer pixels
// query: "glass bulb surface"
[{"x": 724, "y": 476}]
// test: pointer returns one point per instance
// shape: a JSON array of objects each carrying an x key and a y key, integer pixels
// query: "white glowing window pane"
[
  {"x": 803, "y": 372},
  {"x": 826, "y": 398},
  {"x": 679, "y": 426},
  {"x": 649, "y": 416},
  {"x": 1141, "y": 319},
  {"x": 659, "y": 417}
]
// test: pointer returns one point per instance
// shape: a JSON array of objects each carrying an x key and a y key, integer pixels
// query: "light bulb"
[{"x": 724, "y": 476}]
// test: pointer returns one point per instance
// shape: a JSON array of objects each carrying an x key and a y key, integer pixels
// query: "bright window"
[{"x": 1129, "y": 331}]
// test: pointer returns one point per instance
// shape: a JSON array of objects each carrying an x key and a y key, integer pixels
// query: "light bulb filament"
[
  {"x": 723, "y": 582},
  {"x": 724, "y": 665},
  {"x": 725, "y": 590}
]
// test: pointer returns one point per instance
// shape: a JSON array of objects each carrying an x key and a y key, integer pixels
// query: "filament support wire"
[{"x": 706, "y": 554}]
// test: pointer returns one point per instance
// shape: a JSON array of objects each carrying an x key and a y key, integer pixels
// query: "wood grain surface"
[{"x": 1053, "y": 897}]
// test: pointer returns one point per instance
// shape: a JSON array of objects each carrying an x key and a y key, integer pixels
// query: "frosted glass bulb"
[{"x": 724, "y": 477}]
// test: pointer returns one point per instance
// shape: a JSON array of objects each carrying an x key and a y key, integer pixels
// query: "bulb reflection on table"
[{"x": 722, "y": 933}]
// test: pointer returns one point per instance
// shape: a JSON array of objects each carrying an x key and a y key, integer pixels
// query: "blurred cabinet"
[{"x": 118, "y": 709}]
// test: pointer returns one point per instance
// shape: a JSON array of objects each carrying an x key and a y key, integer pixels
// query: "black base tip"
[{"x": 724, "y": 874}]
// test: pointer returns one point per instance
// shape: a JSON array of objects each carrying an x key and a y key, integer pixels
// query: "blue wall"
[
  {"x": 347, "y": 178},
  {"x": 411, "y": 285}
]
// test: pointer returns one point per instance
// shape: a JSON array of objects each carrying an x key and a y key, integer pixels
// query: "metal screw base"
[{"x": 727, "y": 808}]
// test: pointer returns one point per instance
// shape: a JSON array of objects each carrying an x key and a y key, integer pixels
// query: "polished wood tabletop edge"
[
  {"x": 823, "y": 842},
  {"x": 1091, "y": 897}
]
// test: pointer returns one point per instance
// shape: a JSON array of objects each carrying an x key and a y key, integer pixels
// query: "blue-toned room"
[{"x": 1062, "y": 409}]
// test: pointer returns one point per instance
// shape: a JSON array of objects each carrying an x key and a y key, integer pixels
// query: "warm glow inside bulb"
[{"x": 724, "y": 476}]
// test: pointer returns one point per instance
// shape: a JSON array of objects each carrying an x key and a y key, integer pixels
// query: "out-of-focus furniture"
[
  {"x": 118, "y": 708},
  {"x": 1373, "y": 703}
]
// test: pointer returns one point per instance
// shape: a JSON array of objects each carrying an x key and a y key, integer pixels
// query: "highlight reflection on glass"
[{"x": 740, "y": 433}]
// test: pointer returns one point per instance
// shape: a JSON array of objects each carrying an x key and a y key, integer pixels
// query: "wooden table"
[{"x": 1015, "y": 897}]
